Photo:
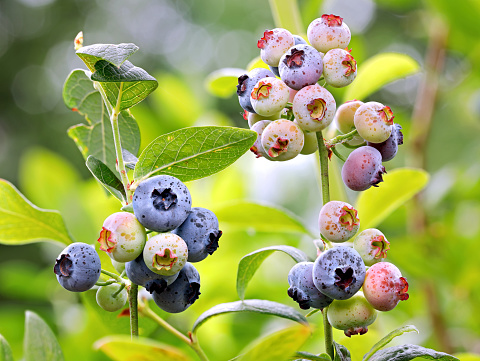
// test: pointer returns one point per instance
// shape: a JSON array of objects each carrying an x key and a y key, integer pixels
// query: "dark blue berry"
[
  {"x": 246, "y": 82},
  {"x": 138, "y": 272},
  {"x": 300, "y": 66},
  {"x": 388, "y": 149}
]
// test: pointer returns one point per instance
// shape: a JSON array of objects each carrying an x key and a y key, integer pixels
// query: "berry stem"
[
  {"x": 117, "y": 278},
  {"x": 117, "y": 292},
  {"x": 339, "y": 156},
  {"x": 133, "y": 306},
  {"x": 340, "y": 139}
]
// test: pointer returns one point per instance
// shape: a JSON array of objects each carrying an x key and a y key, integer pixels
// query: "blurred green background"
[{"x": 434, "y": 240}]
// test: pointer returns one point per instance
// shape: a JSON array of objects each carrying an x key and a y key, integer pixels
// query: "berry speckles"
[
  {"x": 363, "y": 169},
  {"x": 274, "y": 44},
  {"x": 314, "y": 108},
  {"x": 269, "y": 96},
  {"x": 282, "y": 139},
  {"x": 300, "y": 66},
  {"x": 338, "y": 221},
  {"x": 339, "y": 68},
  {"x": 328, "y": 32},
  {"x": 373, "y": 122}
]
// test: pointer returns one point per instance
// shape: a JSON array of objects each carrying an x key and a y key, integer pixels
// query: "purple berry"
[
  {"x": 363, "y": 169},
  {"x": 300, "y": 66},
  {"x": 388, "y": 149},
  {"x": 246, "y": 82}
]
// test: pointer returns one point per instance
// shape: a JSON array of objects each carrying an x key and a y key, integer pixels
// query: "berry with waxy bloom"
[
  {"x": 339, "y": 68},
  {"x": 282, "y": 139},
  {"x": 300, "y": 66},
  {"x": 269, "y": 96},
  {"x": 246, "y": 82},
  {"x": 310, "y": 144},
  {"x": 374, "y": 121},
  {"x": 388, "y": 149},
  {"x": 372, "y": 246},
  {"x": 257, "y": 147},
  {"x": 363, "y": 169},
  {"x": 338, "y": 221},
  {"x": 274, "y": 44},
  {"x": 165, "y": 254},
  {"x": 253, "y": 118},
  {"x": 314, "y": 108},
  {"x": 328, "y": 32},
  {"x": 384, "y": 286}
]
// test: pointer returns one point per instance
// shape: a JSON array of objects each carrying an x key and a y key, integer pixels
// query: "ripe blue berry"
[
  {"x": 371, "y": 245},
  {"x": 328, "y": 32},
  {"x": 282, "y": 139},
  {"x": 161, "y": 203},
  {"x": 338, "y": 221},
  {"x": 106, "y": 299},
  {"x": 182, "y": 293},
  {"x": 246, "y": 82},
  {"x": 303, "y": 290},
  {"x": 300, "y": 66},
  {"x": 363, "y": 169},
  {"x": 339, "y": 68},
  {"x": 314, "y": 108},
  {"x": 200, "y": 232},
  {"x": 339, "y": 272},
  {"x": 274, "y": 44},
  {"x": 374, "y": 121},
  {"x": 269, "y": 96},
  {"x": 165, "y": 254},
  {"x": 78, "y": 267},
  {"x": 388, "y": 149}
]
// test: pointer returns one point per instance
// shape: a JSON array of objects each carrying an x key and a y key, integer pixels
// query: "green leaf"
[
  {"x": 123, "y": 348},
  {"x": 384, "y": 341},
  {"x": 277, "y": 346},
  {"x": 257, "y": 62},
  {"x": 80, "y": 95},
  {"x": 261, "y": 217},
  {"x": 310, "y": 356},
  {"x": 400, "y": 185},
  {"x": 286, "y": 15},
  {"x": 249, "y": 264},
  {"x": 194, "y": 152},
  {"x": 39, "y": 343},
  {"x": 409, "y": 352},
  {"x": 341, "y": 352},
  {"x": 378, "y": 71},
  {"x": 115, "y": 54},
  {"x": 258, "y": 306},
  {"x": 223, "y": 82},
  {"x": 22, "y": 222},
  {"x": 5, "y": 350},
  {"x": 106, "y": 177},
  {"x": 467, "y": 357}
]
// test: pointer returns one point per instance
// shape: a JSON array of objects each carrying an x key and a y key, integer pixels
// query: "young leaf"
[
  {"x": 80, "y": 95},
  {"x": 22, "y": 222},
  {"x": 5, "y": 350},
  {"x": 115, "y": 54},
  {"x": 106, "y": 177},
  {"x": 384, "y": 341},
  {"x": 258, "y": 306},
  {"x": 39, "y": 343},
  {"x": 400, "y": 185},
  {"x": 277, "y": 346},
  {"x": 409, "y": 352},
  {"x": 260, "y": 217},
  {"x": 193, "y": 153},
  {"x": 341, "y": 352},
  {"x": 124, "y": 348},
  {"x": 378, "y": 71},
  {"x": 249, "y": 264},
  {"x": 223, "y": 82}
]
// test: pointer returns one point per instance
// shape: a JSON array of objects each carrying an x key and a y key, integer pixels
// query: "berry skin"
[
  {"x": 200, "y": 232},
  {"x": 344, "y": 120},
  {"x": 138, "y": 272},
  {"x": 119, "y": 266},
  {"x": 246, "y": 82},
  {"x": 298, "y": 40},
  {"x": 274, "y": 70},
  {"x": 371, "y": 245},
  {"x": 300, "y": 66},
  {"x": 363, "y": 169},
  {"x": 302, "y": 288},
  {"x": 122, "y": 237},
  {"x": 274, "y": 44},
  {"x": 328, "y": 32},
  {"x": 182, "y": 293},
  {"x": 310, "y": 144},
  {"x": 107, "y": 301},
  {"x": 384, "y": 286},
  {"x": 373, "y": 122},
  {"x": 269, "y": 96},
  {"x": 282, "y": 139},
  {"x": 257, "y": 147},
  {"x": 339, "y": 68},
  {"x": 254, "y": 118},
  {"x": 338, "y": 221},
  {"x": 352, "y": 315},
  {"x": 165, "y": 254},
  {"x": 78, "y": 267},
  {"x": 314, "y": 108},
  {"x": 161, "y": 203},
  {"x": 388, "y": 149},
  {"x": 339, "y": 272}
]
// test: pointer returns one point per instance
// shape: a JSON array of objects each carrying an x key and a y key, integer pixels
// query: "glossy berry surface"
[
  {"x": 122, "y": 237},
  {"x": 182, "y": 293},
  {"x": 302, "y": 289},
  {"x": 353, "y": 316},
  {"x": 314, "y": 108},
  {"x": 161, "y": 203},
  {"x": 78, "y": 267},
  {"x": 106, "y": 299},
  {"x": 388, "y": 149},
  {"x": 138, "y": 272},
  {"x": 328, "y": 32},
  {"x": 371, "y": 245},
  {"x": 300, "y": 66},
  {"x": 165, "y": 254},
  {"x": 363, "y": 169},
  {"x": 282, "y": 139},
  {"x": 339, "y": 68},
  {"x": 339, "y": 272},
  {"x": 200, "y": 232},
  {"x": 246, "y": 82},
  {"x": 374, "y": 121},
  {"x": 257, "y": 147},
  {"x": 338, "y": 221},
  {"x": 269, "y": 96},
  {"x": 274, "y": 44},
  {"x": 384, "y": 286}
]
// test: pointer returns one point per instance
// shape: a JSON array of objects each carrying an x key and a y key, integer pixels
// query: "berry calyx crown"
[
  {"x": 63, "y": 266},
  {"x": 262, "y": 90},
  {"x": 262, "y": 42},
  {"x": 386, "y": 114},
  {"x": 332, "y": 20},
  {"x": 280, "y": 146},
  {"x": 350, "y": 64},
  {"x": 107, "y": 241},
  {"x": 380, "y": 247},
  {"x": 317, "y": 108},
  {"x": 348, "y": 218},
  {"x": 164, "y": 259},
  {"x": 295, "y": 59}
]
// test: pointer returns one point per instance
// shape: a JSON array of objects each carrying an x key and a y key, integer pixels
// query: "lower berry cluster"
[{"x": 159, "y": 260}]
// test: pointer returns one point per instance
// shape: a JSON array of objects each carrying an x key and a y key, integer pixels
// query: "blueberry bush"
[{"x": 158, "y": 254}]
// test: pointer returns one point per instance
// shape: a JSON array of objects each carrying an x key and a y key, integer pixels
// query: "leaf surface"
[
  {"x": 409, "y": 352},
  {"x": 5, "y": 350},
  {"x": 106, "y": 177},
  {"x": 223, "y": 82},
  {"x": 384, "y": 341},
  {"x": 39, "y": 343}
]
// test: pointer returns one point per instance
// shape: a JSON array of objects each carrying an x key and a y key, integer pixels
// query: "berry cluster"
[
  {"x": 338, "y": 274},
  {"x": 160, "y": 261}
]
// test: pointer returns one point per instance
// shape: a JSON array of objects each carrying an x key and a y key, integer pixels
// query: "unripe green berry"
[{"x": 106, "y": 299}]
